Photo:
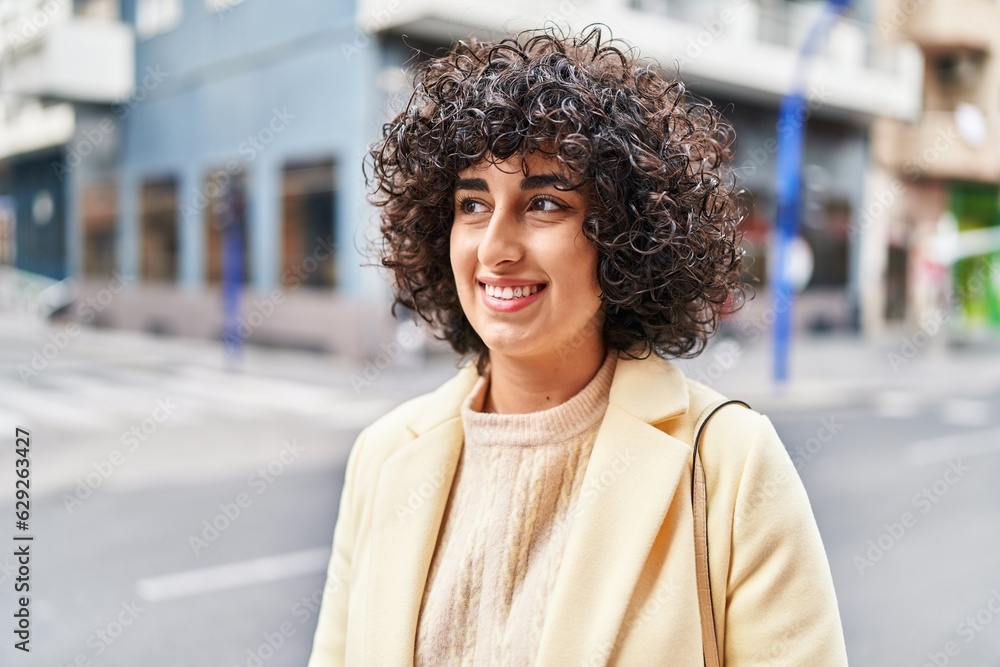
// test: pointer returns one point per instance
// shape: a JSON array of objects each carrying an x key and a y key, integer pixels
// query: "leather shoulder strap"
[{"x": 709, "y": 639}]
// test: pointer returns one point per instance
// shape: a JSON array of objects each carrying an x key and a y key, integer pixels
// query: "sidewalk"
[
  {"x": 845, "y": 371},
  {"x": 824, "y": 371}
]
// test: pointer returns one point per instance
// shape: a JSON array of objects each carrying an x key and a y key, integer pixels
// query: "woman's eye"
[
  {"x": 468, "y": 205},
  {"x": 544, "y": 204}
]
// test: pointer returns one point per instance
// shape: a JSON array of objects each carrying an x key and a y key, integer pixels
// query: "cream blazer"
[{"x": 626, "y": 591}]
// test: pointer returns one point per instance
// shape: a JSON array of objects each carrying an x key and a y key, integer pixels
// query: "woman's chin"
[{"x": 515, "y": 346}]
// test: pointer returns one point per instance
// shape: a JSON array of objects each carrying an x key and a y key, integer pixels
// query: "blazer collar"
[
  {"x": 634, "y": 471},
  {"x": 652, "y": 390}
]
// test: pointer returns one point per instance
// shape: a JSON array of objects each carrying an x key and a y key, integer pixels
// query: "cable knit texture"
[{"x": 505, "y": 527}]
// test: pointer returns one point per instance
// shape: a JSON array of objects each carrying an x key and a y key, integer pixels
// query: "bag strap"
[{"x": 709, "y": 639}]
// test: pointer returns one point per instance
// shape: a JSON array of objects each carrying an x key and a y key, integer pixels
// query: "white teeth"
[{"x": 511, "y": 292}]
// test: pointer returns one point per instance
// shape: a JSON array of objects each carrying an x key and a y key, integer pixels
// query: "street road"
[{"x": 183, "y": 509}]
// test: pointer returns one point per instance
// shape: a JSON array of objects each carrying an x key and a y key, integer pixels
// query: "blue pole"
[
  {"x": 787, "y": 179},
  {"x": 232, "y": 270}
]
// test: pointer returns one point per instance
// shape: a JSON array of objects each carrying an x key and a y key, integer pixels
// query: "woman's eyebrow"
[
  {"x": 472, "y": 184},
  {"x": 545, "y": 180},
  {"x": 537, "y": 182}
]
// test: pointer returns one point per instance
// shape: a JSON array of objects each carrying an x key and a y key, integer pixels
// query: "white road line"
[
  {"x": 334, "y": 407},
  {"x": 963, "y": 445},
  {"x": 274, "y": 393},
  {"x": 896, "y": 404},
  {"x": 122, "y": 400},
  {"x": 198, "y": 394},
  {"x": 233, "y": 575},
  {"x": 965, "y": 412},
  {"x": 50, "y": 407}
]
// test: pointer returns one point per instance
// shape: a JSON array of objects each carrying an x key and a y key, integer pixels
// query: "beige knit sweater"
[{"x": 505, "y": 528}]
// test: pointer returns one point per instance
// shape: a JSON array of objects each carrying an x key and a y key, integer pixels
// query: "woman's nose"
[{"x": 502, "y": 241}]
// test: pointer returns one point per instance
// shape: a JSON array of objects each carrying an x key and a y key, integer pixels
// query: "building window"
[
  {"x": 99, "y": 213},
  {"x": 226, "y": 205},
  {"x": 8, "y": 227},
  {"x": 825, "y": 229},
  {"x": 956, "y": 77},
  {"x": 308, "y": 225},
  {"x": 155, "y": 16},
  {"x": 158, "y": 228}
]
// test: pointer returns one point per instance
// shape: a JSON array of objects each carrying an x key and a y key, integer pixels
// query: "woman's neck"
[{"x": 528, "y": 384}]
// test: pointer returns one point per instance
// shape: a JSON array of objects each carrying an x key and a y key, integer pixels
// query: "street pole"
[
  {"x": 233, "y": 225},
  {"x": 788, "y": 171}
]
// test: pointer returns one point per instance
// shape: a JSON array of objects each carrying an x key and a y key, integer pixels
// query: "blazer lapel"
[
  {"x": 634, "y": 472},
  {"x": 410, "y": 498}
]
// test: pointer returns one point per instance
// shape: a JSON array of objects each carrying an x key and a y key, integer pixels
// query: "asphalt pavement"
[{"x": 183, "y": 502}]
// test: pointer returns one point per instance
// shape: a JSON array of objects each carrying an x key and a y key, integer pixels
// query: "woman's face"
[{"x": 526, "y": 274}]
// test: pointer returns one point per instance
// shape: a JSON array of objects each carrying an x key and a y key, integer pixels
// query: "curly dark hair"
[{"x": 664, "y": 208}]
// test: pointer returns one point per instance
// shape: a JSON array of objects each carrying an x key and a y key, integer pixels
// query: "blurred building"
[
  {"x": 61, "y": 65},
  {"x": 938, "y": 190},
  {"x": 123, "y": 123}
]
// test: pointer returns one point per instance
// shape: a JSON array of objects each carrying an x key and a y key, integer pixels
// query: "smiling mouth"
[{"x": 512, "y": 293}]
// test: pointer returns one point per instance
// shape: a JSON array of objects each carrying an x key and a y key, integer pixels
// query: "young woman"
[{"x": 564, "y": 217}]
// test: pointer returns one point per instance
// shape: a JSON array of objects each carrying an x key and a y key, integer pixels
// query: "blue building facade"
[{"x": 277, "y": 99}]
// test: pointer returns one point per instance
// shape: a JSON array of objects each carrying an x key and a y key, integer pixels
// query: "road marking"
[
  {"x": 234, "y": 575},
  {"x": 965, "y": 412},
  {"x": 896, "y": 404},
  {"x": 336, "y": 407},
  {"x": 964, "y": 445},
  {"x": 52, "y": 407},
  {"x": 127, "y": 401}
]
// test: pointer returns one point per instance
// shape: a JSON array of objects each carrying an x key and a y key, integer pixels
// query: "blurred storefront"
[
  {"x": 123, "y": 123},
  {"x": 941, "y": 173},
  {"x": 62, "y": 65},
  {"x": 976, "y": 270}
]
